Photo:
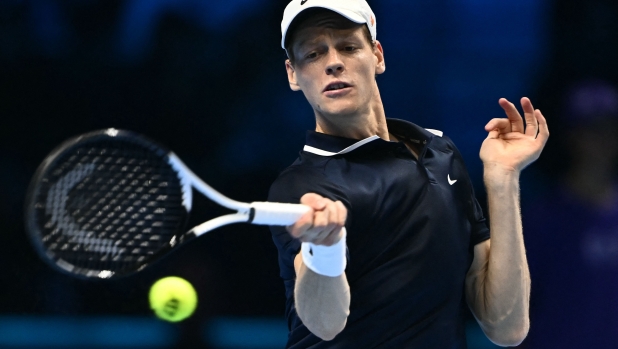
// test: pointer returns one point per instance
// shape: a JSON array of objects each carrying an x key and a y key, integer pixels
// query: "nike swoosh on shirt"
[
  {"x": 303, "y": 2},
  {"x": 451, "y": 182}
]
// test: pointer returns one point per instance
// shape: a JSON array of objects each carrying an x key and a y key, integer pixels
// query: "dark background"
[{"x": 207, "y": 79}]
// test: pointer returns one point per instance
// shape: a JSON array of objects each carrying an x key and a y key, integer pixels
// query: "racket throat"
[
  {"x": 181, "y": 239},
  {"x": 239, "y": 217}
]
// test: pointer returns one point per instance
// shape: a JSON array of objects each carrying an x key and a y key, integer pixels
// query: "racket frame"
[{"x": 260, "y": 213}]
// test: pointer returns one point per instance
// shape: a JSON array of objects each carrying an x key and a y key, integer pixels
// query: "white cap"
[{"x": 357, "y": 11}]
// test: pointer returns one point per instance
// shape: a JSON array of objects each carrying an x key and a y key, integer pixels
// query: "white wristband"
[{"x": 325, "y": 260}]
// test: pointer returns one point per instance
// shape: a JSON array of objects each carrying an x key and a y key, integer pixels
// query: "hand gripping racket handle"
[{"x": 274, "y": 213}]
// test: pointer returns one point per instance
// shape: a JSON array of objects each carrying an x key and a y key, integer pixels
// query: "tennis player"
[{"x": 396, "y": 246}]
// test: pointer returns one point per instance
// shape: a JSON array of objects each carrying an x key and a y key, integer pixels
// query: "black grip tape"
[{"x": 251, "y": 215}]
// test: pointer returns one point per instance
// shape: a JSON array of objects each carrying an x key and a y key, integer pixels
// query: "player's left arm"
[{"x": 498, "y": 282}]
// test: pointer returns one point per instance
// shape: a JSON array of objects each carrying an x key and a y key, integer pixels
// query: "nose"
[{"x": 335, "y": 64}]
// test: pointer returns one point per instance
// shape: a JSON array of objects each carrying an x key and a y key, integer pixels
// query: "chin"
[{"x": 340, "y": 109}]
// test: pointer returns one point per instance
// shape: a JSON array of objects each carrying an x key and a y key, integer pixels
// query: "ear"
[
  {"x": 291, "y": 76},
  {"x": 379, "y": 52}
]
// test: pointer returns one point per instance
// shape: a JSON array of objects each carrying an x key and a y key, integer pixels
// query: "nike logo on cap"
[{"x": 450, "y": 181}]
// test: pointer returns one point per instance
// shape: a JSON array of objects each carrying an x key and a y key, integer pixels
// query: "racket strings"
[{"x": 110, "y": 206}]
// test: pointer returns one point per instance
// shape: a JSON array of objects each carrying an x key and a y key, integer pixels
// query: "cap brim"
[{"x": 351, "y": 15}]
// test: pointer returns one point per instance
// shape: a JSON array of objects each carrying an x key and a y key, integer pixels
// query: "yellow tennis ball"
[{"x": 172, "y": 298}]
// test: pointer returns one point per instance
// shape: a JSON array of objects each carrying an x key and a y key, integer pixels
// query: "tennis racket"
[{"x": 111, "y": 202}]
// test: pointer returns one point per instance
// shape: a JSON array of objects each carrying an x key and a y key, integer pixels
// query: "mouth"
[{"x": 337, "y": 85}]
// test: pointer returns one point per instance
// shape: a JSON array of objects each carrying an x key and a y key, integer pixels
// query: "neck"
[{"x": 361, "y": 124}]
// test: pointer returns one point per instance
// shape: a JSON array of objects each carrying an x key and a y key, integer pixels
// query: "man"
[{"x": 395, "y": 238}]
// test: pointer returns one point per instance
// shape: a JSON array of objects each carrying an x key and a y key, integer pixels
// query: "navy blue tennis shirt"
[{"x": 412, "y": 225}]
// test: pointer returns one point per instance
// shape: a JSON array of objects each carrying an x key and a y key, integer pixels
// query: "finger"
[
  {"x": 511, "y": 136},
  {"x": 312, "y": 234},
  {"x": 543, "y": 134},
  {"x": 342, "y": 213},
  {"x": 320, "y": 226},
  {"x": 517, "y": 123},
  {"x": 314, "y": 201},
  {"x": 502, "y": 124},
  {"x": 330, "y": 236},
  {"x": 337, "y": 233},
  {"x": 325, "y": 235},
  {"x": 532, "y": 125},
  {"x": 300, "y": 227},
  {"x": 337, "y": 218},
  {"x": 494, "y": 134}
]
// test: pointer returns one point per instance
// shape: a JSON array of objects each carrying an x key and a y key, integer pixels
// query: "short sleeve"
[
  {"x": 289, "y": 187},
  {"x": 480, "y": 231},
  {"x": 478, "y": 223}
]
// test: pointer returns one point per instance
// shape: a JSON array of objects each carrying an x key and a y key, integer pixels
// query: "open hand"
[{"x": 508, "y": 143}]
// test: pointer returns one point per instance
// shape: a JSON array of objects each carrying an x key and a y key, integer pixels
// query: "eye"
[
  {"x": 349, "y": 48},
  {"x": 312, "y": 55}
]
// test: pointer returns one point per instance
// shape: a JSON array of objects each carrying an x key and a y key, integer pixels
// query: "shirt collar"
[{"x": 327, "y": 145}]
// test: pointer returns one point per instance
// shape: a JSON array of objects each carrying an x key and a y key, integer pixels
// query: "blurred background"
[{"x": 207, "y": 79}]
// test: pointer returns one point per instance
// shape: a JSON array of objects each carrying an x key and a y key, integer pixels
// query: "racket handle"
[{"x": 274, "y": 213}]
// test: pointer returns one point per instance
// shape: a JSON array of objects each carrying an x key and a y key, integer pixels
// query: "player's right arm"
[{"x": 322, "y": 302}]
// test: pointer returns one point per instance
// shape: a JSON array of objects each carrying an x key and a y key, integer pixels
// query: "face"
[{"x": 335, "y": 66}]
